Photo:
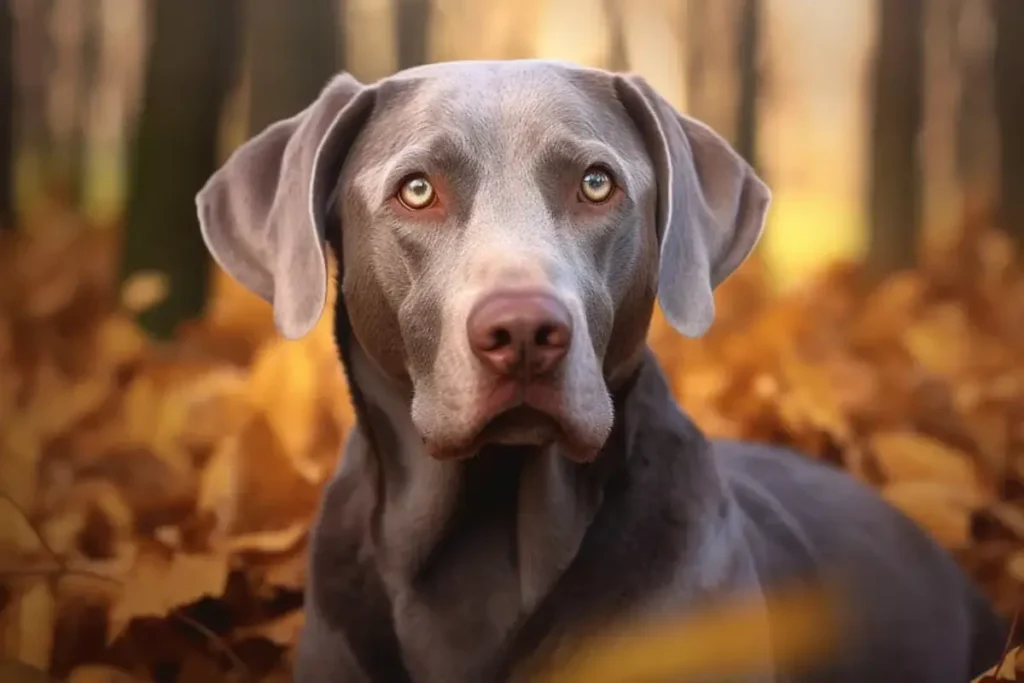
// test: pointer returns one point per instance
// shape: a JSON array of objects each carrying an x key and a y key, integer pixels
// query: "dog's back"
[{"x": 912, "y": 613}]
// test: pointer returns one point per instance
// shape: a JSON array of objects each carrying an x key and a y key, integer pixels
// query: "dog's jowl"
[{"x": 520, "y": 472}]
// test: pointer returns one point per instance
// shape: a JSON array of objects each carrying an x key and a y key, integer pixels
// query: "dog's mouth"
[
  {"x": 521, "y": 425},
  {"x": 520, "y": 416}
]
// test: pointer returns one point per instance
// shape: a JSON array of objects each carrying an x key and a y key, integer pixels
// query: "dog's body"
[{"x": 520, "y": 470}]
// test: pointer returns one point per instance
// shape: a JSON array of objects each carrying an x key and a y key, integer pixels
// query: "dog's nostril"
[
  {"x": 549, "y": 335},
  {"x": 541, "y": 337},
  {"x": 500, "y": 338}
]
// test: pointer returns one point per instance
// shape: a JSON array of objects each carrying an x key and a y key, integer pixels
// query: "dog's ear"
[
  {"x": 711, "y": 205},
  {"x": 263, "y": 213}
]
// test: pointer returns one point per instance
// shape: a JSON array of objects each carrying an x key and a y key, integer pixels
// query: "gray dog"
[{"x": 520, "y": 470}]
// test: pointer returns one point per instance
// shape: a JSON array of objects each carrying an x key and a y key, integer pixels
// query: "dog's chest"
[
  {"x": 453, "y": 633},
  {"x": 454, "y": 613}
]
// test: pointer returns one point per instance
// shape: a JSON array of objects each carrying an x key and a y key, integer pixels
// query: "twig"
[
  {"x": 62, "y": 570},
  {"x": 35, "y": 529},
  {"x": 1009, "y": 638},
  {"x": 216, "y": 640}
]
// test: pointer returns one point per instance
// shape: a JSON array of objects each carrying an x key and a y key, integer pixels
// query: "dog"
[{"x": 520, "y": 470}]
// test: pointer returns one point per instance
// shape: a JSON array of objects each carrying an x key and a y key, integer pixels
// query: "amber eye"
[
  {"x": 416, "y": 193},
  {"x": 597, "y": 185}
]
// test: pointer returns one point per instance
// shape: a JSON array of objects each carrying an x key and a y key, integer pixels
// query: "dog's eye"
[
  {"x": 597, "y": 185},
  {"x": 416, "y": 193}
]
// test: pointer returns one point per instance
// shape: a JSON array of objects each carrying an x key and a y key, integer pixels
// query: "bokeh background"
[{"x": 162, "y": 450}]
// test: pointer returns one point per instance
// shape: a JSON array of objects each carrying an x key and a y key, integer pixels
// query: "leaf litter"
[{"x": 155, "y": 499}]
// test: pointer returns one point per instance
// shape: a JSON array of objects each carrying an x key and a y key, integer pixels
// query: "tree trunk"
[
  {"x": 6, "y": 115},
  {"x": 895, "y": 182},
  {"x": 188, "y": 77},
  {"x": 712, "y": 50},
  {"x": 977, "y": 137},
  {"x": 1009, "y": 85},
  {"x": 618, "y": 57},
  {"x": 748, "y": 58},
  {"x": 294, "y": 51},
  {"x": 74, "y": 26},
  {"x": 34, "y": 64},
  {"x": 412, "y": 30}
]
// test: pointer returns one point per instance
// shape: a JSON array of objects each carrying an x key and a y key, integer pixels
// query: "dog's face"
[{"x": 501, "y": 230}]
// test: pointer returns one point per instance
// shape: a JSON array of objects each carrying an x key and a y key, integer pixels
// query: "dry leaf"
[
  {"x": 143, "y": 291},
  {"x": 17, "y": 537},
  {"x": 283, "y": 386},
  {"x": 27, "y": 625},
  {"x": 96, "y": 673},
  {"x": 253, "y": 482},
  {"x": 907, "y": 456},
  {"x": 278, "y": 541},
  {"x": 13, "y": 671},
  {"x": 943, "y": 511},
  {"x": 19, "y": 466},
  {"x": 119, "y": 341},
  {"x": 158, "y": 584},
  {"x": 941, "y": 342}
]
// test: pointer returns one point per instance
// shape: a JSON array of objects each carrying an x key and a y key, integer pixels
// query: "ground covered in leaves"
[{"x": 155, "y": 499}]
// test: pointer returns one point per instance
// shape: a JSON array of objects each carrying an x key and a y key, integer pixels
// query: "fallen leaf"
[
  {"x": 160, "y": 582},
  {"x": 27, "y": 625},
  {"x": 283, "y": 386},
  {"x": 97, "y": 673},
  {"x": 907, "y": 456},
  {"x": 19, "y": 466},
  {"x": 944, "y": 511},
  {"x": 144, "y": 290},
  {"x": 253, "y": 482},
  {"x": 13, "y": 671},
  {"x": 276, "y": 541},
  {"x": 17, "y": 537}
]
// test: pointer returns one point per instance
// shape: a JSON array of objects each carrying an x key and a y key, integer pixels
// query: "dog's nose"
[{"x": 515, "y": 333}]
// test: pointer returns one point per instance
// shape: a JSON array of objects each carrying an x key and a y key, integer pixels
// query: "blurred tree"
[
  {"x": 188, "y": 78},
  {"x": 1009, "y": 79},
  {"x": 712, "y": 71},
  {"x": 6, "y": 115},
  {"x": 293, "y": 51},
  {"x": 977, "y": 137},
  {"x": 412, "y": 31},
  {"x": 34, "y": 65},
  {"x": 749, "y": 48},
  {"x": 895, "y": 175},
  {"x": 618, "y": 57},
  {"x": 74, "y": 27}
]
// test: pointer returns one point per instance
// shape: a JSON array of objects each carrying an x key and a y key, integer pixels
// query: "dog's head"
[{"x": 505, "y": 228}]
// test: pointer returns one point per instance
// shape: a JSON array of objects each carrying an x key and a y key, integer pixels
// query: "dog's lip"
[
  {"x": 502, "y": 400},
  {"x": 508, "y": 395}
]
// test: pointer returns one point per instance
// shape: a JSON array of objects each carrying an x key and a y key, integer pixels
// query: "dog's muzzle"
[{"x": 520, "y": 335}]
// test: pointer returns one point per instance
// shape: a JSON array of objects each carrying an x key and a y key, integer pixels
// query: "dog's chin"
[{"x": 521, "y": 426}]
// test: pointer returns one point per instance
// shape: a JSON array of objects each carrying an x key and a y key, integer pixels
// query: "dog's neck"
[
  {"x": 430, "y": 512},
  {"x": 500, "y": 534}
]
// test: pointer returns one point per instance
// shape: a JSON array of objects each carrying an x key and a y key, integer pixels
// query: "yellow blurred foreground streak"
[{"x": 712, "y": 643}]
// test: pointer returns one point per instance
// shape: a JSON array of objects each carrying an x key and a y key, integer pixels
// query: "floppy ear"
[
  {"x": 262, "y": 214},
  {"x": 711, "y": 205}
]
